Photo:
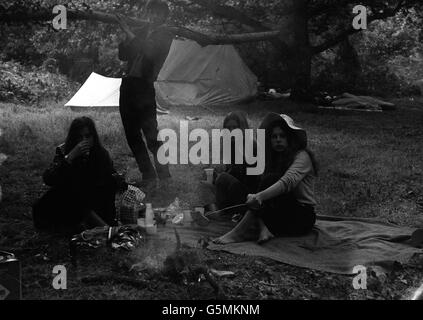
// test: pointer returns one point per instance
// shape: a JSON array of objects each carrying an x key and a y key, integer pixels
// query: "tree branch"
[
  {"x": 47, "y": 15},
  {"x": 262, "y": 32},
  {"x": 215, "y": 39},
  {"x": 232, "y": 13},
  {"x": 326, "y": 8},
  {"x": 201, "y": 38}
]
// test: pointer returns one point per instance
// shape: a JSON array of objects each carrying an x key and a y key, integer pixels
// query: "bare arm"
[
  {"x": 124, "y": 46},
  {"x": 134, "y": 44},
  {"x": 125, "y": 28},
  {"x": 299, "y": 169}
]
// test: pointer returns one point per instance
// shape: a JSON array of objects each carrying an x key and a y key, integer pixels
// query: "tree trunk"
[
  {"x": 294, "y": 32},
  {"x": 301, "y": 74},
  {"x": 347, "y": 65}
]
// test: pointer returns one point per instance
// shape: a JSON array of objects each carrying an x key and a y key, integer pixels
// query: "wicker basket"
[{"x": 130, "y": 205}]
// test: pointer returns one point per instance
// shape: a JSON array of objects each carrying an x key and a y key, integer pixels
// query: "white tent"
[
  {"x": 98, "y": 92},
  {"x": 190, "y": 76}
]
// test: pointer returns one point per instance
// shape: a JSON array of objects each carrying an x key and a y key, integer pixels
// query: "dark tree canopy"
[
  {"x": 294, "y": 30},
  {"x": 329, "y": 21}
]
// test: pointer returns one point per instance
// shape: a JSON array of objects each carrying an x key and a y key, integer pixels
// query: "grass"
[{"x": 370, "y": 167}]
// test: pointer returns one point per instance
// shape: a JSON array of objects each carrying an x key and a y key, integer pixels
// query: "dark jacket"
[
  {"x": 146, "y": 53},
  {"x": 77, "y": 189},
  {"x": 83, "y": 174}
]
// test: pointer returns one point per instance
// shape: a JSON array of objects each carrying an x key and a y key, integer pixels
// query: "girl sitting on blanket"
[
  {"x": 83, "y": 184},
  {"x": 233, "y": 185},
  {"x": 284, "y": 203}
]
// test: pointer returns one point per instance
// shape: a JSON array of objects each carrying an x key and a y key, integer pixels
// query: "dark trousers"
[
  {"x": 284, "y": 215},
  {"x": 63, "y": 209},
  {"x": 137, "y": 106},
  {"x": 230, "y": 192}
]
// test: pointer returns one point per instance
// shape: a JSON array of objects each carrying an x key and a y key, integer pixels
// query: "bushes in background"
[
  {"x": 32, "y": 84},
  {"x": 390, "y": 60}
]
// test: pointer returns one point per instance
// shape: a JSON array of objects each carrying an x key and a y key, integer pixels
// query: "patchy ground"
[{"x": 370, "y": 167}]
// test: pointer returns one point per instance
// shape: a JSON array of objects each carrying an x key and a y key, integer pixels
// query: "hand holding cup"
[{"x": 82, "y": 149}]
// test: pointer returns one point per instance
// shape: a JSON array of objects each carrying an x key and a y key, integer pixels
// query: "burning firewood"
[{"x": 185, "y": 264}]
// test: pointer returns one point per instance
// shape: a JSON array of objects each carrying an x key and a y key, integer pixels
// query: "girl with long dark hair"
[
  {"x": 284, "y": 204},
  {"x": 83, "y": 184},
  {"x": 233, "y": 185}
]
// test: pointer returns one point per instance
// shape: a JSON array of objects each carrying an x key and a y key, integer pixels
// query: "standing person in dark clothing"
[
  {"x": 145, "y": 50},
  {"x": 83, "y": 184}
]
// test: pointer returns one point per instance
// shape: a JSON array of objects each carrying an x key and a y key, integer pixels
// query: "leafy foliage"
[
  {"x": 32, "y": 43},
  {"x": 390, "y": 58},
  {"x": 92, "y": 46},
  {"x": 30, "y": 84}
]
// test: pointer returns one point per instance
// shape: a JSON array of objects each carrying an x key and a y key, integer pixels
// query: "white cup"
[
  {"x": 209, "y": 174},
  {"x": 187, "y": 216},
  {"x": 141, "y": 222}
]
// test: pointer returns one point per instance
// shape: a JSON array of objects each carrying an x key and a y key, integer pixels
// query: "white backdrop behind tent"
[
  {"x": 190, "y": 76},
  {"x": 193, "y": 75},
  {"x": 98, "y": 92}
]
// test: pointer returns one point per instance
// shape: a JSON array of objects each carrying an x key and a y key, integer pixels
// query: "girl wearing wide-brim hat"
[{"x": 284, "y": 204}]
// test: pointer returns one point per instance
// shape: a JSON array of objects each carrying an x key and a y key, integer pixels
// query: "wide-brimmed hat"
[{"x": 288, "y": 123}]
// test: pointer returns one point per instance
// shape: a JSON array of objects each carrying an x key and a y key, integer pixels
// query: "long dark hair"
[
  {"x": 75, "y": 128},
  {"x": 275, "y": 163},
  {"x": 239, "y": 117}
]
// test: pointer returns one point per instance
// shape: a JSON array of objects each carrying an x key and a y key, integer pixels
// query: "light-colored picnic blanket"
[{"x": 336, "y": 244}]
